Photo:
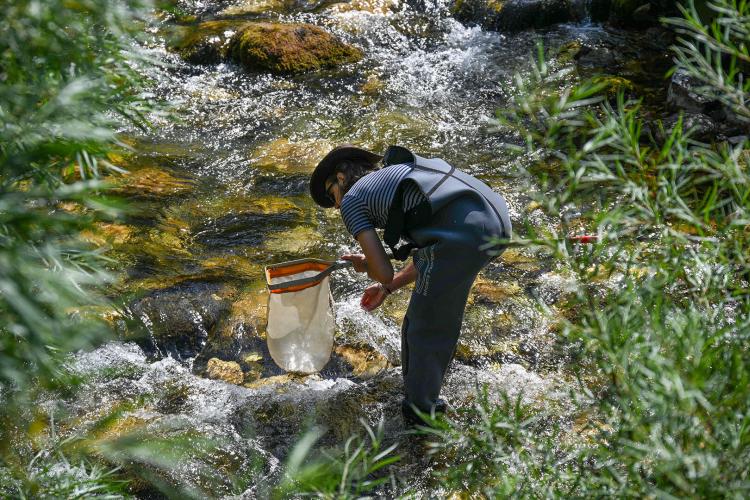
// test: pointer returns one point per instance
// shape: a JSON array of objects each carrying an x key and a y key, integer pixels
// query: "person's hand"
[
  {"x": 359, "y": 261},
  {"x": 373, "y": 296}
]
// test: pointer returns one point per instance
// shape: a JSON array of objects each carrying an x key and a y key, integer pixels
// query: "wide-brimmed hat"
[{"x": 328, "y": 164}]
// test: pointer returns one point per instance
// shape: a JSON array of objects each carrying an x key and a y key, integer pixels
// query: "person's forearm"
[{"x": 408, "y": 274}]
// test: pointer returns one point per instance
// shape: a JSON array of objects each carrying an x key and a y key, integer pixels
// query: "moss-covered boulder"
[{"x": 289, "y": 48}]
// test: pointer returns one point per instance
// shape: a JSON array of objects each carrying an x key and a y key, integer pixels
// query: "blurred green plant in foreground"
[
  {"x": 354, "y": 471},
  {"x": 68, "y": 82},
  {"x": 662, "y": 306}
]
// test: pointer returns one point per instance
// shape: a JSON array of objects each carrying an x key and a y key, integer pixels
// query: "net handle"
[{"x": 339, "y": 264}]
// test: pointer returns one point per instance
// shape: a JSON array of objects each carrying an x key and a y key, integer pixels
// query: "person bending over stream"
[{"x": 447, "y": 216}]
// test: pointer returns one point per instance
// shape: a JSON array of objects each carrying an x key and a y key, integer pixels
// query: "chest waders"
[{"x": 460, "y": 214}]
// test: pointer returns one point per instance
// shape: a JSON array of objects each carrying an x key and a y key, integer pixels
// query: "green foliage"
[
  {"x": 667, "y": 336},
  {"x": 51, "y": 475},
  {"x": 717, "y": 54},
  {"x": 503, "y": 450},
  {"x": 351, "y": 472},
  {"x": 68, "y": 81}
]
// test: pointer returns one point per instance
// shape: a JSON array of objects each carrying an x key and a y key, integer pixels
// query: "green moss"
[
  {"x": 289, "y": 48},
  {"x": 614, "y": 84},
  {"x": 568, "y": 52},
  {"x": 206, "y": 43},
  {"x": 174, "y": 398},
  {"x": 495, "y": 5}
]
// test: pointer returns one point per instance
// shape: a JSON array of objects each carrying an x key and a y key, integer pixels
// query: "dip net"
[{"x": 300, "y": 314}]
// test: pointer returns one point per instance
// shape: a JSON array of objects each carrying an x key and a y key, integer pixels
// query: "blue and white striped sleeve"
[{"x": 355, "y": 215}]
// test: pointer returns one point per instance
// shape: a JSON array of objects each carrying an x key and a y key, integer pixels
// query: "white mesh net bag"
[{"x": 300, "y": 314}]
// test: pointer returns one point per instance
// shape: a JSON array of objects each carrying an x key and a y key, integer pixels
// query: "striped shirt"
[{"x": 368, "y": 201}]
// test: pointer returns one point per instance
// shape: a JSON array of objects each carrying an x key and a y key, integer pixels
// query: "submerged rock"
[
  {"x": 179, "y": 318},
  {"x": 297, "y": 242},
  {"x": 289, "y": 48},
  {"x": 247, "y": 8},
  {"x": 382, "y": 7},
  {"x": 227, "y": 371},
  {"x": 106, "y": 233},
  {"x": 246, "y": 229},
  {"x": 490, "y": 291},
  {"x": 152, "y": 183},
  {"x": 517, "y": 15},
  {"x": 364, "y": 362},
  {"x": 206, "y": 43},
  {"x": 241, "y": 338},
  {"x": 290, "y": 157}
]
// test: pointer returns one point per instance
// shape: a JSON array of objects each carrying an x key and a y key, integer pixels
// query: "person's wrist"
[{"x": 386, "y": 290}]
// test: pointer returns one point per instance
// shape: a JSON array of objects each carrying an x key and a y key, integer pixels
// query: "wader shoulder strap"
[
  {"x": 395, "y": 226},
  {"x": 448, "y": 171},
  {"x": 396, "y": 217}
]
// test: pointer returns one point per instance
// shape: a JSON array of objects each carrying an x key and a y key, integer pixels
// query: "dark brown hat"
[{"x": 328, "y": 164}]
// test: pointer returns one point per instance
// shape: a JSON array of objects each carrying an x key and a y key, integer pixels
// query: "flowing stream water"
[{"x": 222, "y": 192}]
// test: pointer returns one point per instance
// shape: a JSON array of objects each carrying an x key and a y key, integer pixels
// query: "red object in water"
[{"x": 584, "y": 238}]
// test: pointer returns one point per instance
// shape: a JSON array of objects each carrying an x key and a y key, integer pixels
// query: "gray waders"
[
  {"x": 459, "y": 215},
  {"x": 448, "y": 261}
]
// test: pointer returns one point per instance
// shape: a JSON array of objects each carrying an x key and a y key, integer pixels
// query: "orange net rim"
[{"x": 295, "y": 267}]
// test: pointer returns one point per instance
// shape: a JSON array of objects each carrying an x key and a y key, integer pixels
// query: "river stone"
[
  {"x": 260, "y": 7},
  {"x": 517, "y": 15},
  {"x": 179, "y": 318},
  {"x": 290, "y": 157},
  {"x": 228, "y": 371},
  {"x": 152, "y": 183},
  {"x": 702, "y": 128},
  {"x": 206, "y": 43},
  {"x": 289, "y": 48},
  {"x": 683, "y": 96}
]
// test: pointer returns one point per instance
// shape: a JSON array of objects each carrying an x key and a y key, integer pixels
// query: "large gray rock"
[
  {"x": 702, "y": 128},
  {"x": 682, "y": 95},
  {"x": 180, "y": 318},
  {"x": 706, "y": 115}
]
